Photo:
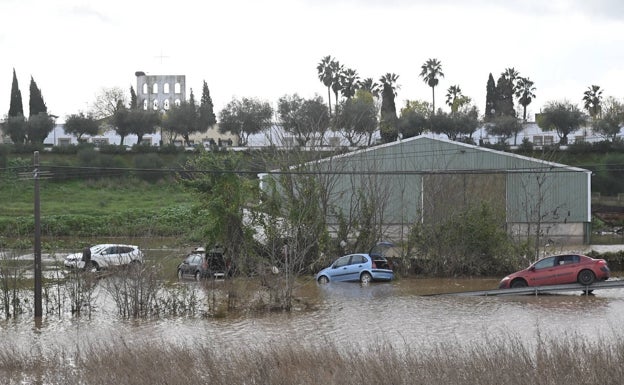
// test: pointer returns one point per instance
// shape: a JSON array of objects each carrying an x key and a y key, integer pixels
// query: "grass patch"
[
  {"x": 115, "y": 207},
  {"x": 567, "y": 361},
  {"x": 91, "y": 197}
]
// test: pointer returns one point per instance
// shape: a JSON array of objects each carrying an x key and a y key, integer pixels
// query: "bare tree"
[{"x": 107, "y": 101}]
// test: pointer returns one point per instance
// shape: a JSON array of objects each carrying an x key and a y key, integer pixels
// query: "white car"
[{"x": 106, "y": 255}]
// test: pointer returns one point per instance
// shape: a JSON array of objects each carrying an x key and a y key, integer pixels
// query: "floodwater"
[{"x": 400, "y": 313}]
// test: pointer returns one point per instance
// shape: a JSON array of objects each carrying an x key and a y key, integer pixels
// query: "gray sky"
[{"x": 266, "y": 49}]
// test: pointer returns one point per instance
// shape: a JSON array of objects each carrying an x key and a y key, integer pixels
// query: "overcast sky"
[{"x": 266, "y": 49}]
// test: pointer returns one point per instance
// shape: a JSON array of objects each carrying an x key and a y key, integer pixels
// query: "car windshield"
[
  {"x": 381, "y": 249},
  {"x": 97, "y": 249}
]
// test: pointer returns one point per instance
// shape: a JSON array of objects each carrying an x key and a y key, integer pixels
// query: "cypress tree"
[
  {"x": 133, "y": 99},
  {"x": 207, "y": 116},
  {"x": 490, "y": 98},
  {"x": 504, "y": 97},
  {"x": 388, "y": 124},
  {"x": 16, "y": 108},
  {"x": 35, "y": 103}
]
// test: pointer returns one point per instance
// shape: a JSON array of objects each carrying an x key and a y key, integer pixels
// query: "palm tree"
[
  {"x": 593, "y": 100},
  {"x": 326, "y": 76},
  {"x": 388, "y": 117},
  {"x": 511, "y": 74},
  {"x": 371, "y": 86},
  {"x": 453, "y": 95},
  {"x": 430, "y": 72},
  {"x": 337, "y": 71},
  {"x": 350, "y": 82},
  {"x": 525, "y": 92},
  {"x": 389, "y": 80}
]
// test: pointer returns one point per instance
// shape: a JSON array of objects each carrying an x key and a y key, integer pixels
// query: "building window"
[
  {"x": 64, "y": 141},
  {"x": 99, "y": 141},
  {"x": 146, "y": 141},
  {"x": 145, "y": 104},
  {"x": 155, "y": 104},
  {"x": 177, "y": 102},
  {"x": 538, "y": 140},
  {"x": 548, "y": 140},
  {"x": 177, "y": 88},
  {"x": 166, "y": 88},
  {"x": 579, "y": 139},
  {"x": 144, "y": 88},
  {"x": 166, "y": 104},
  {"x": 155, "y": 88}
]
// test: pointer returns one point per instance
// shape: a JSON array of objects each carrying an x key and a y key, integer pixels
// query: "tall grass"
[{"x": 569, "y": 361}]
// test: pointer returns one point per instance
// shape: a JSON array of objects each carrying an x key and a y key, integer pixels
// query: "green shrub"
[
  {"x": 148, "y": 167},
  {"x": 113, "y": 149},
  {"x": 71, "y": 149},
  {"x": 144, "y": 149},
  {"x": 170, "y": 149}
]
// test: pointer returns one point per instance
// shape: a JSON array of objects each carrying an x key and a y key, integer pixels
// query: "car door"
[
  {"x": 340, "y": 269},
  {"x": 567, "y": 268},
  {"x": 123, "y": 255},
  {"x": 357, "y": 263},
  {"x": 543, "y": 272},
  {"x": 107, "y": 256}
]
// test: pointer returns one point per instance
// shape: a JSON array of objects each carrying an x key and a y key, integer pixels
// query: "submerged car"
[
  {"x": 201, "y": 264},
  {"x": 559, "y": 270},
  {"x": 361, "y": 267},
  {"x": 107, "y": 255}
]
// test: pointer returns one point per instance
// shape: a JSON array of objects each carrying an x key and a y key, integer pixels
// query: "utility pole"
[{"x": 38, "y": 308}]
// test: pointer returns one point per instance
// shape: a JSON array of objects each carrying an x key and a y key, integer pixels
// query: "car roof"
[{"x": 105, "y": 245}]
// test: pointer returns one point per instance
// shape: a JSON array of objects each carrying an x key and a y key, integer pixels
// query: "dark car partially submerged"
[{"x": 205, "y": 264}]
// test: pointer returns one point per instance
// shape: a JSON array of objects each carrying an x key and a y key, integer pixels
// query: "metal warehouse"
[{"x": 426, "y": 180}]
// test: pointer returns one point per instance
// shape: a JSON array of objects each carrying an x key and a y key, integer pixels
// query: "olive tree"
[
  {"x": 245, "y": 117},
  {"x": 562, "y": 117},
  {"x": 79, "y": 125}
]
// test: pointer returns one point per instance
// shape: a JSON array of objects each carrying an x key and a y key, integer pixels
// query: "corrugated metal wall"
[{"x": 454, "y": 175}]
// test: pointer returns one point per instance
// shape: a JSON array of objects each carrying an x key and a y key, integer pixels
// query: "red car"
[{"x": 559, "y": 270}]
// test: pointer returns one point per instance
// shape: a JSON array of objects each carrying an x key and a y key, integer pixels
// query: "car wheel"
[
  {"x": 323, "y": 280},
  {"x": 93, "y": 267},
  {"x": 197, "y": 275},
  {"x": 586, "y": 277},
  {"x": 518, "y": 283},
  {"x": 365, "y": 278},
  {"x": 180, "y": 274}
]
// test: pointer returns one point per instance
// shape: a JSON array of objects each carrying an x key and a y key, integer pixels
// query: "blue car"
[{"x": 359, "y": 267}]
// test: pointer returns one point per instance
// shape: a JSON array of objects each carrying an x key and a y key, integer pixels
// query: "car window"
[
  {"x": 342, "y": 261},
  {"x": 567, "y": 259},
  {"x": 357, "y": 259},
  {"x": 197, "y": 259},
  {"x": 545, "y": 263}
]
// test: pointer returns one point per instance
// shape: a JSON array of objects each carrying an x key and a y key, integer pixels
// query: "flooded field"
[{"x": 399, "y": 313}]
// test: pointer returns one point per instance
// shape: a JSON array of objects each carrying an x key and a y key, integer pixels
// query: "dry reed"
[{"x": 570, "y": 360}]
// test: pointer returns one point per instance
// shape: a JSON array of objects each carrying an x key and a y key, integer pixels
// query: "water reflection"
[{"x": 349, "y": 314}]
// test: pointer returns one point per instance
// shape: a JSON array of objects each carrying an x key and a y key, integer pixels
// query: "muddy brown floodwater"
[{"x": 349, "y": 314}]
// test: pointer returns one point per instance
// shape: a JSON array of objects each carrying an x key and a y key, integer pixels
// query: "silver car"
[{"x": 106, "y": 255}]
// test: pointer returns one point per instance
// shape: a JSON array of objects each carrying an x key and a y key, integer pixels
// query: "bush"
[
  {"x": 149, "y": 167},
  {"x": 144, "y": 149},
  {"x": 526, "y": 145},
  {"x": 472, "y": 243},
  {"x": 71, "y": 149},
  {"x": 170, "y": 149},
  {"x": 26, "y": 148},
  {"x": 113, "y": 149}
]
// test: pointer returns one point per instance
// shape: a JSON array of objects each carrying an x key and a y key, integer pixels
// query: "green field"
[
  {"x": 107, "y": 207},
  {"x": 91, "y": 197}
]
